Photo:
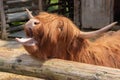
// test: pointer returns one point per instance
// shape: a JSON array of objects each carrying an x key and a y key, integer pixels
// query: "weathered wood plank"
[
  {"x": 3, "y": 21},
  {"x": 16, "y": 28},
  {"x": 96, "y": 13},
  {"x": 16, "y": 1},
  {"x": 54, "y": 69},
  {"x": 16, "y": 16},
  {"x": 14, "y": 10},
  {"x": 10, "y": 76},
  {"x": 18, "y": 5}
]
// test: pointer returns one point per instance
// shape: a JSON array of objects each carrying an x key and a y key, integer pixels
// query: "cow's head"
[{"x": 51, "y": 31}]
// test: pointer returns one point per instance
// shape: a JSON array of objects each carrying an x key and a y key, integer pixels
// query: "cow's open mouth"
[{"x": 29, "y": 40}]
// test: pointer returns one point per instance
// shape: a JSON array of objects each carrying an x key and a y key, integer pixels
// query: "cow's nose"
[{"x": 32, "y": 23}]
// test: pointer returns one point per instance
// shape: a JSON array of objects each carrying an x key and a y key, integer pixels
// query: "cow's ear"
[{"x": 60, "y": 25}]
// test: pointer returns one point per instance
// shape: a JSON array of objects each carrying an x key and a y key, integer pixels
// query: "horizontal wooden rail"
[
  {"x": 54, "y": 69},
  {"x": 14, "y": 10},
  {"x": 16, "y": 17},
  {"x": 11, "y": 76},
  {"x": 16, "y": 1}
]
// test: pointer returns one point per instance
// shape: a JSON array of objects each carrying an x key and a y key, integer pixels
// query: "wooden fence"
[{"x": 14, "y": 11}]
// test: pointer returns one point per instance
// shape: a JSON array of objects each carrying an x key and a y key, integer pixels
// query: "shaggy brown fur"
[{"x": 58, "y": 37}]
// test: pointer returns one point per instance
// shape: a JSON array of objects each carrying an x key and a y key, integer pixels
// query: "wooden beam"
[
  {"x": 16, "y": 9},
  {"x": 16, "y": 1},
  {"x": 55, "y": 69},
  {"x": 40, "y": 5},
  {"x": 3, "y": 21},
  {"x": 77, "y": 13},
  {"x": 18, "y": 16},
  {"x": 10, "y": 76}
]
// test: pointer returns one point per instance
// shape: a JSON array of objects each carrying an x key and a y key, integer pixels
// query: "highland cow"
[{"x": 54, "y": 36}]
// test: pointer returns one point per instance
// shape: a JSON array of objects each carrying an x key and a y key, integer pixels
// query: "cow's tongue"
[{"x": 26, "y": 41}]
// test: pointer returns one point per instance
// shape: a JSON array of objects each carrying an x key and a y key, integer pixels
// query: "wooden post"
[
  {"x": 41, "y": 5},
  {"x": 54, "y": 69},
  {"x": 3, "y": 21},
  {"x": 77, "y": 10}
]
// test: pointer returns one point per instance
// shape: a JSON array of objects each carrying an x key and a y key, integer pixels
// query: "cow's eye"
[{"x": 36, "y": 23}]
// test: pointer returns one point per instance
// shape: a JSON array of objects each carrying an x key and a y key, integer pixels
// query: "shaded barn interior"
[
  {"x": 63, "y": 7},
  {"x": 116, "y": 10}
]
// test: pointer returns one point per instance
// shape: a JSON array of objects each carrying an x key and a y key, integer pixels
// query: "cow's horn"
[
  {"x": 29, "y": 14},
  {"x": 97, "y": 32}
]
